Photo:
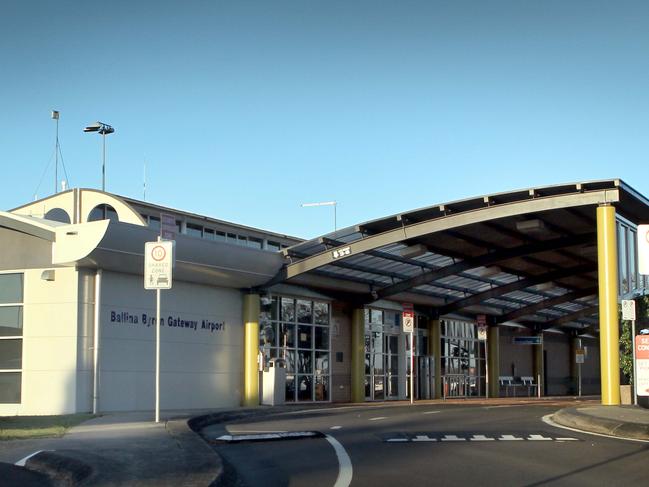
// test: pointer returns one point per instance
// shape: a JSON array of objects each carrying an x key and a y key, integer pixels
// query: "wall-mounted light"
[
  {"x": 48, "y": 275},
  {"x": 531, "y": 226},
  {"x": 488, "y": 271}
]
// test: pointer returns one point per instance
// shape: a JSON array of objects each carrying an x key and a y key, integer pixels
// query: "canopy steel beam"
[
  {"x": 485, "y": 260},
  {"x": 515, "y": 286},
  {"x": 546, "y": 303},
  {"x": 448, "y": 222},
  {"x": 589, "y": 311}
]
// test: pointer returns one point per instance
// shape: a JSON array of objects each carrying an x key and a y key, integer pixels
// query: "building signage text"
[{"x": 171, "y": 321}]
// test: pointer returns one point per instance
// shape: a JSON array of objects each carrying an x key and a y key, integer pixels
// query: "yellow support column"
[
  {"x": 609, "y": 333},
  {"x": 250, "y": 350},
  {"x": 435, "y": 347},
  {"x": 358, "y": 356},
  {"x": 493, "y": 339}
]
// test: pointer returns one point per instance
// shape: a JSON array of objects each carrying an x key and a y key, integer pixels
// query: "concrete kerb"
[
  {"x": 573, "y": 418},
  {"x": 62, "y": 469},
  {"x": 73, "y": 467}
]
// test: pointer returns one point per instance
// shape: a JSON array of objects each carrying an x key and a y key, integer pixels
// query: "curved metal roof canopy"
[{"x": 528, "y": 255}]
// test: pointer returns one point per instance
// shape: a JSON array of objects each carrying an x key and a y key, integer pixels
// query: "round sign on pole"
[{"x": 482, "y": 332}]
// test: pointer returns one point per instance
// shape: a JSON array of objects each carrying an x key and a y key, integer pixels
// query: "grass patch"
[{"x": 23, "y": 427}]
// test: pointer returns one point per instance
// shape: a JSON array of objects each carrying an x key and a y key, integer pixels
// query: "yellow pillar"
[
  {"x": 493, "y": 338},
  {"x": 358, "y": 356},
  {"x": 609, "y": 334},
  {"x": 537, "y": 357},
  {"x": 250, "y": 350},
  {"x": 435, "y": 347}
]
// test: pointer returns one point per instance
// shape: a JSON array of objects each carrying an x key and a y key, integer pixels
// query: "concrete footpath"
[
  {"x": 115, "y": 449},
  {"x": 621, "y": 421}
]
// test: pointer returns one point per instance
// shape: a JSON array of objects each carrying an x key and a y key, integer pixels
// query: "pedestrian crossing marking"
[
  {"x": 423, "y": 438},
  {"x": 452, "y": 438},
  {"x": 436, "y": 437}
]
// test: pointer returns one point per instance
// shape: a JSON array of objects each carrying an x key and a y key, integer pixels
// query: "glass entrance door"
[{"x": 384, "y": 354}]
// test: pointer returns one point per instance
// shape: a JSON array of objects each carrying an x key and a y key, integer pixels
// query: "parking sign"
[{"x": 158, "y": 264}]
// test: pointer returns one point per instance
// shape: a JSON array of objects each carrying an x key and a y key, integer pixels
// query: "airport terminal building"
[{"x": 509, "y": 292}]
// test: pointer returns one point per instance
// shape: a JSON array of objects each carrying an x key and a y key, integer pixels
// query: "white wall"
[
  {"x": 200, "y": 368},
  {"x": 50, "y": 353}
]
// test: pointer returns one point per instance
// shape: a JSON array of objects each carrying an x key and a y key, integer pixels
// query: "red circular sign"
[
  {"x": 158, "y": 253},
  {"x": 646, "y": 236}
]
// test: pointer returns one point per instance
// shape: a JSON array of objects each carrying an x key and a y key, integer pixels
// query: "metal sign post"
[
  {"x": 408, "y": 320},
  {"x": 579, "y": 359},
  {"x": 482, "y": 336},
  {"x": 158, "y": 269},
  {"x": 628, "y": 314}
]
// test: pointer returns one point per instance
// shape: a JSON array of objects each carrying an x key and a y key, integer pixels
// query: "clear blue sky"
[{"x": 243, "y": 110}]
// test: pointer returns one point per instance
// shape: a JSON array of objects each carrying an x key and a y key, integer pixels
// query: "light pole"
[
  {"x": 325, "y": 203},
  {"x": 103, "y": 129}
]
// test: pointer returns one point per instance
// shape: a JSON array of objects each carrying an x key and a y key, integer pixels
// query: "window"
[
  {"x": 255, "y": 242},
  {"x": 208, "y": 233},
  {"x": 11, "y": 337},
  {"x": 298, "y": 331},
  {"x": 154, "y": 222},
  {"x": 194, "y": 230},
  {"x": 274, "y": 246},
  {"x": 103, "y": 212}
]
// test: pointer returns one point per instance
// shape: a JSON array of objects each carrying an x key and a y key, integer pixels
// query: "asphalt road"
[{"x": 428, "y": 445}]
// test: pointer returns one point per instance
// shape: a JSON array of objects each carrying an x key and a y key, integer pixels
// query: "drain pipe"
[{"x": 95, "y": 349}]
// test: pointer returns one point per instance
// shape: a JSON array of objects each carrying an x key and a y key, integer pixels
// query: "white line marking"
[
  {"x": 345, "y": 472},
  {"x": 452, "y": 438},
  {"x": 423, "y": 438},
  {"x": 268, "y": 436},
  {"x": 336, "y": 427},
  {"x": 539, "y": 438},
  {"x": 566, "y": 439},
  {"x": 379, "y": 418},
  {"x": 481, "y": 438},
  {"x": 547, "y": 419},
  {"x": 250, "y": 432},
  {"x": 23, "y": 461},
  {"x": 509, "y": 438},
  {"x": 431, "y": 412},
  {"x": 397, "y": 440}
]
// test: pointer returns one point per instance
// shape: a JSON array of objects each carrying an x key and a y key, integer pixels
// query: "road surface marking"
[
  {"x": 270, "y": 436},
  {"x": 378, "y": 418},
  {"x": 438, "y": 437},
  {"x": 431, "y": 412},
  {"x": 23, "y": 461},
  {"x": 336, "y": 427},
  {"x": 547, "y": 419},
  {"x": 345, "y": 471},
  {"x": 540, "y": 438},
  {"x": 452, "y": 438}
]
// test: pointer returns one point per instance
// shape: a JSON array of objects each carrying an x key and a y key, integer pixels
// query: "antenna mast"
[{"x": 55, "y": 116}]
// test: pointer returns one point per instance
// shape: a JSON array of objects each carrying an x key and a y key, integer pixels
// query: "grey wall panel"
[{"x": 201, "y": 346}]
